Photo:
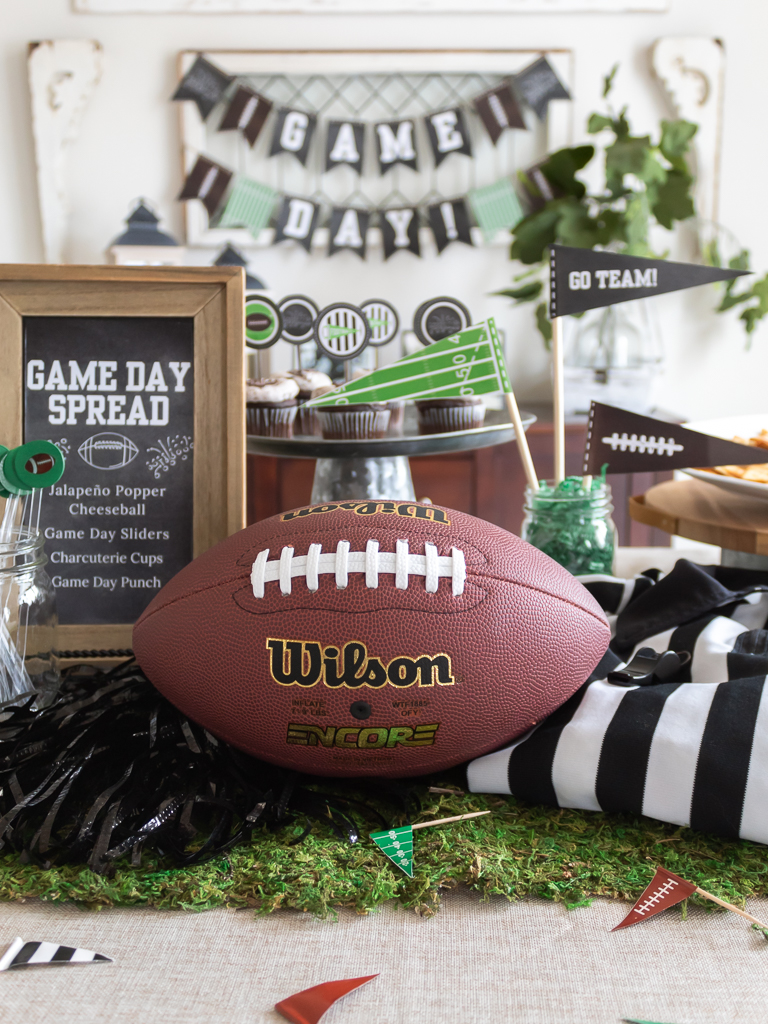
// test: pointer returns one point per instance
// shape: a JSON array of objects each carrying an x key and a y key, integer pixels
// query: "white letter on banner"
[
  {"x": 448, "y": 138},
  {"x": 349, "y": 231},
  {"x": 294, "y": 131},
  {"x": 574, "y": 280},
  {"x": 643, "y": 278},
  {"x": 586, "y": 280},
  {"x": 300, "y": 214},
  {"x": 400, "y": 221},
  {"x": 601, "y": 275},
  {"x": 344, "y": 148},
  {"x": 396, "y": 148},
  {"x": 614, "y": 279}
]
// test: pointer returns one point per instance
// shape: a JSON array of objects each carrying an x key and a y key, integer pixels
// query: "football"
[
  {"x": 108, "y": 450},
  {"x": 362, "y": 638}
]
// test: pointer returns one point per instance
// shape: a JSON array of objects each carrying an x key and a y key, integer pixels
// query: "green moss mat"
[{"x": 518, "y": 850}]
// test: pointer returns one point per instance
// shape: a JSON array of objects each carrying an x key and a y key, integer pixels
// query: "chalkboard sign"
[
  {"x": 136, "y": 373},
  {"x": 117, "y": 396}
]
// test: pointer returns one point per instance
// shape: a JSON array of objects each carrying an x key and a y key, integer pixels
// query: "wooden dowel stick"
[
  {"x": 522, "y": 441},
  {"x": 444, "y": 821},
  {"x": 558, "y": 398},
  {"x": 728, "y": 906}
]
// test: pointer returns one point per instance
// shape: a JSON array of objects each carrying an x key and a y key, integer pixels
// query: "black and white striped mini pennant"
[
  {"x": 28, "y": 954},
  {"x": 692, "y": 750}
]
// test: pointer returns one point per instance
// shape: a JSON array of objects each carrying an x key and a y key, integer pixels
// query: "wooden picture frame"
[{"x": 211, "y": 299}]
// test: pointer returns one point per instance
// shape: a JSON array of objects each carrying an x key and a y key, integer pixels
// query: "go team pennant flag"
[
  {"x": 631, "y": 443},
  {"x": 581, "y": 279},
  {"x": 468, "y": 363},
  {"x": 397, "y": 844},
  {"x": 666, "y": 890}
]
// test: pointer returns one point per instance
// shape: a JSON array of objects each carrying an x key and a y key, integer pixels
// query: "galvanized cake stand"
[{"x": 379, "y": 468}]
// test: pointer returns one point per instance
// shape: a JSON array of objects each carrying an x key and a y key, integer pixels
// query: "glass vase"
[
  {"x": 28, "y": 620},
  {"x": 572, "y": 524}
]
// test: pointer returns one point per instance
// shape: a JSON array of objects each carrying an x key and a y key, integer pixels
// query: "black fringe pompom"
[{"x": 111, "y": 768}]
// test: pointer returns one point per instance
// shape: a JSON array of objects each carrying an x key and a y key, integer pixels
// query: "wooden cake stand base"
[{"x": 710, "y": 515}]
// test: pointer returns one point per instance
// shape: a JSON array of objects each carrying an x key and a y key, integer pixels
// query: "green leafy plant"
[{"x": 646, "y": 182}]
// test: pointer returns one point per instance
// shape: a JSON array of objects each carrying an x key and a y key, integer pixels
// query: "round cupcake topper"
[
  {"x": 440, "y": 318},
  {"x": 384, "y": 321},
  {"x": 299, "y": 314},
  {"x": 263, "y": 322},
  {"x": 342, "y": 331}
]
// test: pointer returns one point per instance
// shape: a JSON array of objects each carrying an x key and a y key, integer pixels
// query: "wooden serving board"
[{"x": 704, "y": 513}]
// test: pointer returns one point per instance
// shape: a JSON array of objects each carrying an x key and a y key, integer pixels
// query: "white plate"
[{"x": 730, "y": 427}]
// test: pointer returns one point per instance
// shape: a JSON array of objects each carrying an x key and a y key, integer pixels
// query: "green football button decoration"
[{"x": 263, "y": 321}]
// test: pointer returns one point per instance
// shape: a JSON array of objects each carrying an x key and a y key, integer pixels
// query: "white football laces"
[{"x": 399, "y": 563}]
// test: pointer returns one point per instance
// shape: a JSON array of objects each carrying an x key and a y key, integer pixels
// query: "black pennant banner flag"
[
  {"x": 447, "y": 134},
  {"x": 400, "y": 231},
  {"x": 498, "y": 110},
  {"x": 344, "y": 145},
  {"x": 30, "y": 954},
  {"x": 205, "y": 84},
  {"x": 207, "y": 181},
  {"x": 248, "y": 111},
  {"x": 297, "y": 219},
  {"x": 631, "y": 443},
  {"x": 539, "y": 85},
  {"x": 395, "y": 144},
  {"x": 293, "y": 133},
  {"x": 347, "y": 230},
  {"x": 450, "y": 223},
  {"x": 581, "y": 279}
]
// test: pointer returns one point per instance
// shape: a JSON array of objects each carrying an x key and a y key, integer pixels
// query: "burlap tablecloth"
[{"x": 525, "y": 963}]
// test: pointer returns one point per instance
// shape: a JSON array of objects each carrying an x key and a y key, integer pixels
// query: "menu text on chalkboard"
[{"x": 116, "y": 394}]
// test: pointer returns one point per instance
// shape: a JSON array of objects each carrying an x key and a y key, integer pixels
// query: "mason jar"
[
  {"x": 571, "y": 522},
  {"x": 28, "y": 619}
]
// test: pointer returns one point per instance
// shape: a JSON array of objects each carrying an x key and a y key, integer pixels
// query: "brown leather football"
[{"x": 370, "y": 638}]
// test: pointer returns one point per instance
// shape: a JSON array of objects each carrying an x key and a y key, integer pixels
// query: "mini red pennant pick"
[
  {"x": 308, "y": 1007},
  {"x": 666, "y": 890}
]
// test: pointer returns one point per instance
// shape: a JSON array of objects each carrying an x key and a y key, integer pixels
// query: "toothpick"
[
  {"x": 728, "y": 906},
  {"x": 444, "y": 821},
  {"x": 558, "y": 398},
  {"x": 522, "y": 441},
  {"x": 451, "y": 792}
]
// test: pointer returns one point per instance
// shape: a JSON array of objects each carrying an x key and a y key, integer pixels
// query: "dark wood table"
[{"x": 486, "y": 482}]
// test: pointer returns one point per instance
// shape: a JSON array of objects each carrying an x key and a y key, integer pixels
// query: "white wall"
[{"x": 129, "y": 143}]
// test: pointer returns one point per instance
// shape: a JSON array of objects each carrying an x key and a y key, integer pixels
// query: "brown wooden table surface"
[
  {"x": 706, "y": 513},
  {"x": 488, "y": 482}
]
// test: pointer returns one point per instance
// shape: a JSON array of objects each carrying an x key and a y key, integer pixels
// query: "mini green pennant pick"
[
  {"x": 397, "y": 844},
  {"x": 636, "y": 1020},
  {"x": 468, "y": 363}
]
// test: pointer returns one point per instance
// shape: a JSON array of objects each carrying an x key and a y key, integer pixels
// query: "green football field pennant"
[
  {"x": 397, "y": 844},
  {"x": 468, "y": 363}
]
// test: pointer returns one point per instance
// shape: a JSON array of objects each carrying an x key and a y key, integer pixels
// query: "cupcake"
[
  {"x": 440, "y": 415},
  {"x": 353, "y": 422},
  {"x": 397, "y": 415},
  {"x": 270, "y": 406},
  {"x": 308, "y": 382}
]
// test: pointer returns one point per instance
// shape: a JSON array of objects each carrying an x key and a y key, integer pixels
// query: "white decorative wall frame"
[
  {"x": 363, "y": 6},
  {"x": 62, "y": 75},
  {"x": 692, "y": 69}
]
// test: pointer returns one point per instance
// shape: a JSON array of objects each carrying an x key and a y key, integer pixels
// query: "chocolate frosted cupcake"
[
  {"x": 270, "y": 406},
  {"x": 354, "y": 422},
  {"x": 308, "y": 381},
  {"x": 441, "y": 415}
]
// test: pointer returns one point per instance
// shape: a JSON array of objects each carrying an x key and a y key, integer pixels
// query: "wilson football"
[{"x": 370, "y": 638}]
